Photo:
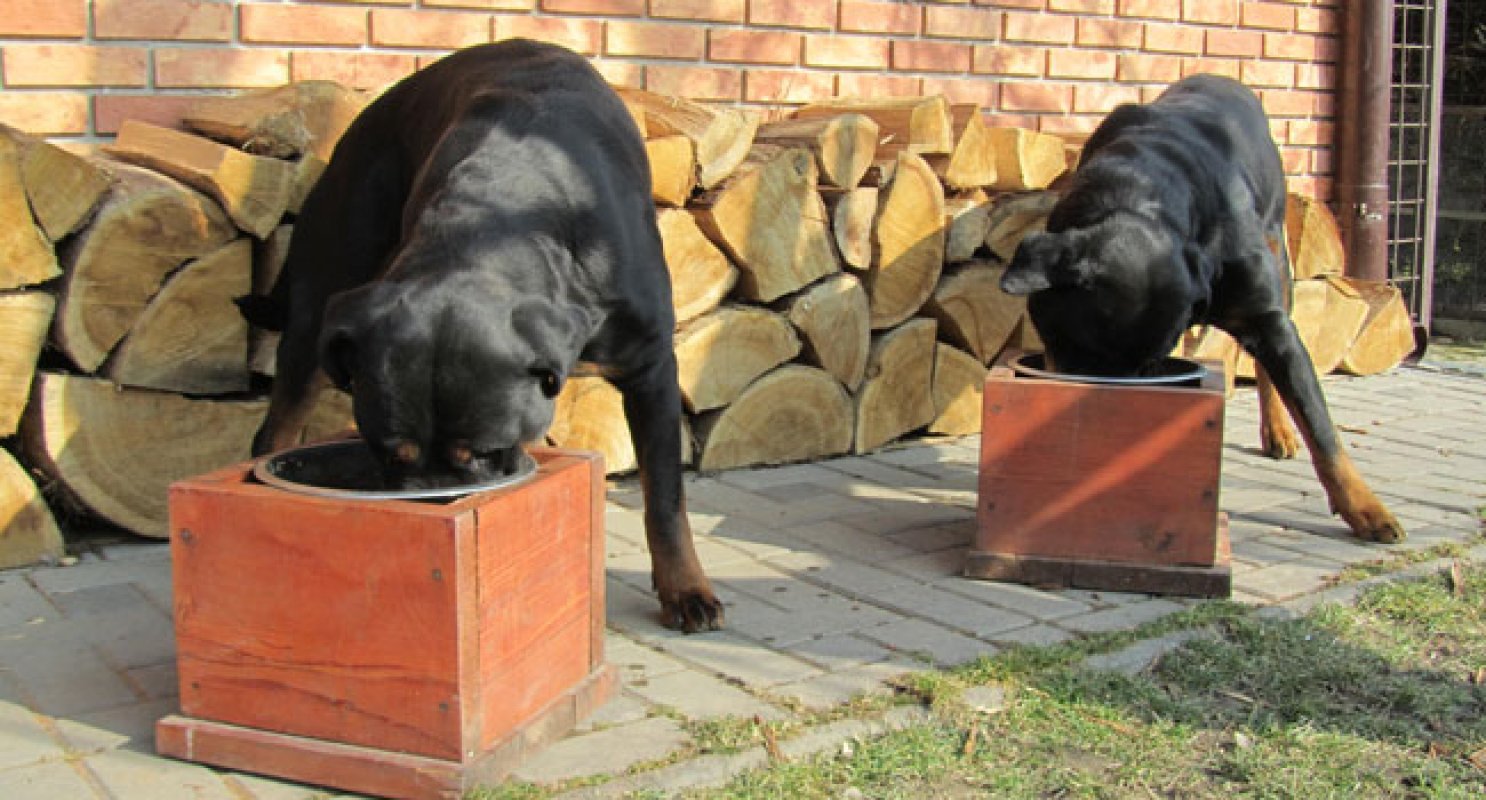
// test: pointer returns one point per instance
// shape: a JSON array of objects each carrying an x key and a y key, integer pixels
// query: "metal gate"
[{"x": 1413, "y": 159}]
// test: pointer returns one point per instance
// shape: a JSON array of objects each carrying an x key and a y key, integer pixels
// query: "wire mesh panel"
[{"x": 1417, "y": 33}]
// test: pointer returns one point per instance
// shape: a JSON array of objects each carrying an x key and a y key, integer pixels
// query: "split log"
[
  {"x": 852, "y": 213},
  {"x": 1213, "y": 344},
  {"x": 1026, "y": 339},
  {"x": 1329, "y": 337},
  {"x": 26, "y": 255},
  {"x": 1313, "y": 238},
  {"x": 897, "y": 396},
  {"x": 147, "y": 226},
  {"x": 1387, "y": 335},
  {"x": 972, "y": 165},
  {"x": 959, "y": 390},
  {"x": 191, "y": 337},
  {"x": 62, "y": 188},
  {"x": 967, "y": 221},
  {"x": 908, "y": 239},
  {"x": 118, "y": 450},
  {"x": 590, "y": 416},
  {"x": 832, "y": 317},
  {"x": 972, "y": 311},
  {"x": 1012, "y": 217},
  {"x": 722, "y": 136},
  {"x": 673, "y": 169},
  {"x": 28, "y": 531},
  {"x": 795, "y": 413},
  {"x": 254, "y": 190},
  {"x": 1026, "y": 159},
  {"x": 912, "y": 124},
  {"x": 701, "y": 276},
  {"x": 772, "y": 222},
  {"x": 844, "y": 145},
  {"x": 305, "y": 117},
  {"x": 720, "y": 353},
  {"x": 24, "y": 320}
]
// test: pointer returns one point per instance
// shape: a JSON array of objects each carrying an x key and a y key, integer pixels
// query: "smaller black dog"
[
  {"x": 482, "y": 228},
  {"x": 1175, "y": 217}
]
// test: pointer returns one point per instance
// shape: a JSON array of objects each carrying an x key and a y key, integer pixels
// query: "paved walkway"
[{"x": 837, "y": 576}]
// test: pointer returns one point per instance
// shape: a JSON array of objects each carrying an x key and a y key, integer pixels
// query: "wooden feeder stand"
[
  {"x": 1100, "y": 486},
  {"x": 393, "y": 647}
]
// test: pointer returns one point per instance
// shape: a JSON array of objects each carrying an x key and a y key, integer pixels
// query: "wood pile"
[{"x": 834, "y": 277}]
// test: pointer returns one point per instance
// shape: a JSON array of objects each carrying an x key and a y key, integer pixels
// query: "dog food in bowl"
[
  {"x": 348, "y": 470},
  {"x": 1169, "y": 371}
]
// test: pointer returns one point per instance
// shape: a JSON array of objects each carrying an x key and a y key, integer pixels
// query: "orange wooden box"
[
  {"x": 396, "y": 648},
  {"x": 1102, "y": 486}
]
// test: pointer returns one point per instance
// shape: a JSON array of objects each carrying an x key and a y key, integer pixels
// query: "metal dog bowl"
[
  {"x": 1169, "y": 371},
  {"x": 347, "y": 470}
]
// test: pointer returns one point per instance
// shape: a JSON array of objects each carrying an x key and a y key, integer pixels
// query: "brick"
[
  {"x": 1227, "y": 67},
  {"x": 203, "y": 68},
  {"x": 753, "y": 47},
  {"x": 168, "y": 20},
  {"x": 1274, "y": 16},
  {"x": 847, "y": 52},
  {"x": 430, "y": 29},
  {"x": 700, "y": 10},
  {"x": 1099, "y": 7},
  {"x": 1315, "y": 76},
  {"x": 1034, "y": 5},
  {"x": 1094, "y": 65},
  {"x": 1092, "y": 99},
  {"x": 869, "y": 85},
  {"x": 697, "y": 83},
  {"x": 1148, "y": 9},
  {"x": 979, "y": 91},
  {"x": 320, "y": 25},
  {"x": 654, "y": 40},
  {"x": 1000, "y": 119},
  {"x": 483, "y": 5},
  {"x": 356, "y": 70},
  {"x": 1158, "y": 69},
  {"x": 865, "y": 17},
  {"x": 165, "y": 110},
  {"x": 1268, "y": 74},
  {"x": 1210, "y": 12},
  {"x": 44, "y": 18},
  {"x": 595, "y": 8},
  {"x": 812, "y": 14},
  {"x": 45, "y": 113},
  {"x": 46, "y": 65},
  {"x": 1317, "y": 20},
  {"x": 1297, "y": 47},
  {"x": 1005, "y": 60},
  {"x": 621, "y": 73},
  {"x": 1109, "y": 33},
  {"x": 962, "y": 23},
  {"x": 1281, "y": 103},
  {"x": 787, "y": 86},
  {"x": 1239, "y": 44},
  {"x": 1163, "y": 37},
  {"x": 1039, "y": 28},
  {"x": 1039, "y": 97},
  {"x": 585, "y": 36},
  {"x": 920, "y": 56}
]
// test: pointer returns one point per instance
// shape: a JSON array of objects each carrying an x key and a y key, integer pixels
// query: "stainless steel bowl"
[
  {"x": 1169, "y": 371},
  {"x": 347, "y": 470}
]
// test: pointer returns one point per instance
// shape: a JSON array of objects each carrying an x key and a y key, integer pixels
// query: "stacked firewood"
[{"x": 834, "y": 278}]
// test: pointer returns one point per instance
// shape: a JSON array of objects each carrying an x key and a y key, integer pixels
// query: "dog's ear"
[{"x": 1047, "y": 260}]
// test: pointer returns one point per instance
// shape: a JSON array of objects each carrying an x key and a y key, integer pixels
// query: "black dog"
[
  {"x": 1175, "y": 217},
  {"x": 483, "y": 227}
]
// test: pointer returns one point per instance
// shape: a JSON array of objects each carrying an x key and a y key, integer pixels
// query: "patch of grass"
[{"x": 1354, "y": 573}]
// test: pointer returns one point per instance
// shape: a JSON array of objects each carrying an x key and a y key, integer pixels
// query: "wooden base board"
[
  {"x": 372, "y": 771},
  {"x": 1082, "y": 573}
]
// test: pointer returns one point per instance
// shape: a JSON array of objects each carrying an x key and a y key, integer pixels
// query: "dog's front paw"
[
  {"x": 1279, "y": 439},
  {"x": 692, "y": 611},
  {"x": 1375, "y": 525}
]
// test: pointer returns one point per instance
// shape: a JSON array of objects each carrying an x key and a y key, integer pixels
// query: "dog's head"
[
  {"x": 1110, "y": 299},
  {"x": 447, "y": 384}
]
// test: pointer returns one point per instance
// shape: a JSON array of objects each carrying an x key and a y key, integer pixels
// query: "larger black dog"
[
  {"x": 1175, "y": 217},
  {"x": 483, "y": 227}
]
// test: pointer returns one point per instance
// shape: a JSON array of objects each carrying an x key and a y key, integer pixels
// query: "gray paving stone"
[
  {"x": 741, "y": 659},
  {"x": 840, "y": 651},
  {"x": 23, "y": 738},
  {"x": 698, "y": 696},
  {"x": 136, "y": 776},
  {"x": 1033, "y": 603},
  {"x": 57, "y": 780},
  {"x": 59, "y": 672},
  {"x": 939, "y": 645},
  {"x": 835, "y": 537},
  {"x": 1283, "y": 581},
  {"x": 21, "y": 604},
  {"x": 624, "y": 709},
  {"x": 955, "y": 611},
  {"x": 604, "y": 752},
  {"x": 637, "y": 662},
  {"x": 1126, "y": 616},
  {"x": 1039, "y": 635},
  {"x": 787, "y": 627},
  {"x": 129, "y": 727},
  {"x": 834, "y": 688}
]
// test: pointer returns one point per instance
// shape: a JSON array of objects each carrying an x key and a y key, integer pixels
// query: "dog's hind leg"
[
  {"x": 1281, "y": 356},
  {"x": 652, "y": 407}
]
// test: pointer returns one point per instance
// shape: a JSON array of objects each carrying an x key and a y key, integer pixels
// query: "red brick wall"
[{"x": 74, "y": 69}]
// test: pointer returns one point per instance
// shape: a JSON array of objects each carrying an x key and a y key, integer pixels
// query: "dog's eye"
[{"x": 549, "y": 381}]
